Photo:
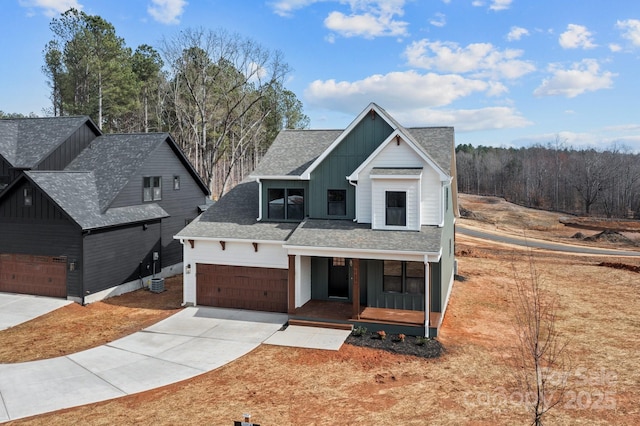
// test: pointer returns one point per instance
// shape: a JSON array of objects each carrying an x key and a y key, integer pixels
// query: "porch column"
[
  {"x": 355, "y": 294},
  {"x": 427, "y": 295},
  {"x": 291, "y": 281}
]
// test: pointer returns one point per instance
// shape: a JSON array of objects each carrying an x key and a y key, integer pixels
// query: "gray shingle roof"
[
  {"x": 234, "y": 217},
  {"x": 114, "y": 159},
  {"x": 437, "y": 142},
  {"x": 76, "y": 194},
  {"x": 293, "y": 151},
  {"x": 25, "y": 142},
  {"x": 345, "y": 234}
]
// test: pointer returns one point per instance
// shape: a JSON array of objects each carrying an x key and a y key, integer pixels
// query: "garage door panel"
[
  {"x": 239, "y": 287},
  {"x": 38, "y": 275}
]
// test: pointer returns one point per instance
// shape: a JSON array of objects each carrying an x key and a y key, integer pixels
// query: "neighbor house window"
[
  {"x": 152, "y": 188},
  {"x": 396, "y": 213},
  {"x": 403, "y": 277},
  {"x": 292, "y": 209},
  {"x": 27, "y": 196},
  {"x": 337, "y": 202},
  {"x": 4, "y": 181},
  {"x": 176, "y": 183}
]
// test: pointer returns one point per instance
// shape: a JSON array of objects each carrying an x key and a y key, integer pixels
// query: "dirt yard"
[{"x": 469, "y": 384}]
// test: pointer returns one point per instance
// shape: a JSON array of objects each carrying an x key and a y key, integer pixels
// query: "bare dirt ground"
[{"x": 469, "y": 384}]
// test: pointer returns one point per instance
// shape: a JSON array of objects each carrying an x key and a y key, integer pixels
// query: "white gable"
[{"x": 424, "y": 190}]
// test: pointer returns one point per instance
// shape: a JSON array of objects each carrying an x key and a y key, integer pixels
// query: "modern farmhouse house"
[
  {"x": 86, "y": 216},
  {"x": 353, "y": 226}
]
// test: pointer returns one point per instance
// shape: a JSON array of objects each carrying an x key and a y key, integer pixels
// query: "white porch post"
[{"x": 427, "y": 291}]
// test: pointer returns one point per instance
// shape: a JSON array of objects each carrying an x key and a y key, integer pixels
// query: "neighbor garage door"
[
  {"x": 241, "y": 287},
  {"x": 39, "y": 275}
]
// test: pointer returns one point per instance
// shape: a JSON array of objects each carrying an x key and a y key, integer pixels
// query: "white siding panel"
[
  {"x": 303, "y": 277},
  {"x": 431, "y": 202},
  {"x": 399, "y": 156},
  {"x": 234, "y": 254},
  {"x": 411, "y": 187}
]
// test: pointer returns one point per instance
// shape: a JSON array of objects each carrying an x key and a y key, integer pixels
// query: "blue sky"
[{"x": 502, "y": 72}]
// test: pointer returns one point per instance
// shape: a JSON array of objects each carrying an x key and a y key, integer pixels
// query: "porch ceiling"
[{"x": 345, "y": 234}]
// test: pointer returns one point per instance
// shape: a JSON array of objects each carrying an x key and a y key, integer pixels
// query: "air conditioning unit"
[{"x": 157, "y": 285}]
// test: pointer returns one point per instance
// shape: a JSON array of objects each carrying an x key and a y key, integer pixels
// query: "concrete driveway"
[
  {"x": 194, "y": 341},
  {"x": 18, "y": 308}
]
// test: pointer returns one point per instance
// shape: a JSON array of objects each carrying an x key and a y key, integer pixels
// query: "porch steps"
[{"x": 320, "y": 324}]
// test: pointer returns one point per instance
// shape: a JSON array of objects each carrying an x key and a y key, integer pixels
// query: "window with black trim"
[
  {"x": 152, "y": 188},
  {"x": 396, "y": 212},
  {"x": 403, "y": 277},
  {"x": 176, "y": 183},
  {"x": 292, "y": 209},
  {"x": 337, "y": 202},
  {"x": 27, "y": 196}
]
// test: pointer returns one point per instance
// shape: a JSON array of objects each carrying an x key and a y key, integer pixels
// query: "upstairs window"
[
  {"x": 152, "y": 188},
  {"x": 337, "y": 202},
  {"x": 396, "y": 211},
  {"x": 292, "y": 209},
  {"x": 27, "y": 196},
  {"x": 403, "y": 277},
  {"x": 176, "y": 183}
]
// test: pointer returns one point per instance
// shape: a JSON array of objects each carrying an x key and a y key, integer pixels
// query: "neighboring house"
[
  {"x": 353, "y": 226},
  {"x": 104, "y": 223}
]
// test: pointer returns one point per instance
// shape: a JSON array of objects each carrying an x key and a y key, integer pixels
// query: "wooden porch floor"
[{"x": 343, "y": 311}]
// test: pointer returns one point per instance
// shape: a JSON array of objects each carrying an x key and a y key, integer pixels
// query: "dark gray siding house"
[{"x": 104, "y": 224}]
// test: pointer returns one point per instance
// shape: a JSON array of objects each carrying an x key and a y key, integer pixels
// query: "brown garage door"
[
  {"x": 39, "y": 275},
  {"x": 241, "y": 287}
]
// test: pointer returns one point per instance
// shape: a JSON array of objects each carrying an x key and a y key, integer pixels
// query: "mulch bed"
[{"x": 429, "y": 348}]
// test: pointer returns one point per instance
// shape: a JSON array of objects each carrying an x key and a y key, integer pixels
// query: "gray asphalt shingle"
[{"x": 24, "y": 142}]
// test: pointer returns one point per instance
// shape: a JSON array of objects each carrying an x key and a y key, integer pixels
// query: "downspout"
[
  {"x": 355, "y": 201},
  {"x": 259, "y": 200}
]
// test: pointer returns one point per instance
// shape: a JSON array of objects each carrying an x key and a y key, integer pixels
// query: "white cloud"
[
  {"x": 51, "y": 8},
  {"x": 576, "y": 36},
  {"x": 477, "y": 3},
  {"x": 401, "y": 90},
  {"x": 615, "y": 47},
  {"x": 439, "y": 20},
  {"x": 631, "y": 30},
  {"x": 500, "y": 5},
  {"x": 584, "y": 76},
  {"x": 369, "y": 19},
  {"x": 286, "y": 8},
  {"x": 167, "y": 11},
  {"x": 464, "y": 120},
  {"x": 516, "y": 33},
  {"x": 482, "y": 59}
]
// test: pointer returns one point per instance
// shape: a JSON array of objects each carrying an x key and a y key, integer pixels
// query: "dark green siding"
[
  {"x": 283, "y": 184},
  {"x": 319, "y": 278},
  {"x": 435, "y": 277},
  {"x": 367, "y": 135},
  {"x": 379, "y": 299}
]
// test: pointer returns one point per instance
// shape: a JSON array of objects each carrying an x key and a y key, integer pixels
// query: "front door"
[{"x": 339, "y": 277}]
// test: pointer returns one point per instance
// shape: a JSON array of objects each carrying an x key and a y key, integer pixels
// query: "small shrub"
[
  {"x": 401, "y": 337},
  {"x": 421, "y": 341},
  {"x": 382, "y": 334},
  {"x": 359, "y": 331}
]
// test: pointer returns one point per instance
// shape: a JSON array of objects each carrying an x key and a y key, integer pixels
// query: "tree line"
[
  {"x": 555, "y": 177},
  {"x": 220, "y": 95}
]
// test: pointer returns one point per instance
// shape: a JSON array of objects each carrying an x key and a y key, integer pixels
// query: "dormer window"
[
  {"x": 292, "y": 209},
  {"x": 396, "y": 212},
  {"x": 27, "y": 194}
]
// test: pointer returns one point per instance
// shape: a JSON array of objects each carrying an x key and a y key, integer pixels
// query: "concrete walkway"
[
  {"x": 18, "y": 308},
  {"x": 187, "y": 344}
]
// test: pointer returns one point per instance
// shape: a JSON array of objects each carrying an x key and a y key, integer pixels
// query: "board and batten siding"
[
  {"x": 41, "y": 230},
  {"x": 235, "y": 253},
  {"x": 365, "y": 137},
  {"x": 69, "y": 149},
  {"x": 401, "y": 156},
  {"x": 181, "y": 205},
  {"x": 282, "y": 184},
  {"x": 115, "y": 256}
]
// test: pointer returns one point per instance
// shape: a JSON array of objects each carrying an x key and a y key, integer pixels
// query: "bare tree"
[{"x": 540, "y": 348}]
